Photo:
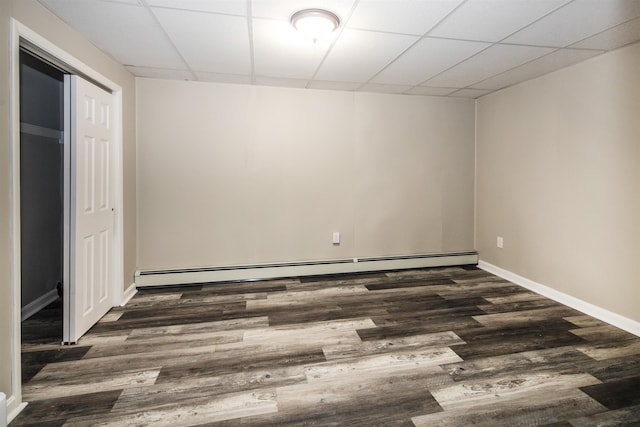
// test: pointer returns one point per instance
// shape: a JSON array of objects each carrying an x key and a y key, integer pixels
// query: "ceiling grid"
[{"x": 460, "y": 48}]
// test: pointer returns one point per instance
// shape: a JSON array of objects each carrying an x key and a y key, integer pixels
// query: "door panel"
[{"x": 92, "y": 214}]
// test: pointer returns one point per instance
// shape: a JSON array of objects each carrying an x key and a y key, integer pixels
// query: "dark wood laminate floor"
[{"x": 431, "y": 347}]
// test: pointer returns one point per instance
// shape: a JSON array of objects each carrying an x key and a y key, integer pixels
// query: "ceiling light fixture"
[{"x": 315, "y": 23}]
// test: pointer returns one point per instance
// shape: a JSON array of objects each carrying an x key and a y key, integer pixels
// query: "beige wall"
[
  {"x": 558, "y": 176},
  {"x": 231, "y": 174},
  {"x": 34, "y": 16}
]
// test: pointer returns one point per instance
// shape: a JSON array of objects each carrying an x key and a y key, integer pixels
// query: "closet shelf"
[{"x": 42, "y": 131}]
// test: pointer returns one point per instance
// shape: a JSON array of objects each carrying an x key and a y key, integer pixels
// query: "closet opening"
[{"x": 41, "y": 203}]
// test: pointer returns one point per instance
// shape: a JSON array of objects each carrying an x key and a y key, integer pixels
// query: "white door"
[{"x": 90, "y": 238}]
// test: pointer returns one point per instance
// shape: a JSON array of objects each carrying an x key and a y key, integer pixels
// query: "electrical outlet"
[
  {"x": 336, "y": 237},
  {"x": 500, "y": 242}
]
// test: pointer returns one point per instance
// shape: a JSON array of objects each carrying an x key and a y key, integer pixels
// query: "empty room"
[{"x": 312, "y": 213}]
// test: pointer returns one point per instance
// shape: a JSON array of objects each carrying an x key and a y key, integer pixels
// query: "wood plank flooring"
[{"x": 429, "y": 347}]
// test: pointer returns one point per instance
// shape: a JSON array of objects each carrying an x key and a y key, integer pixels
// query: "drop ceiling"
[{"x": 464, "y": 48}]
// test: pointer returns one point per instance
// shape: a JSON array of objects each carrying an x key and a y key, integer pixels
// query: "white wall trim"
[
  {"x": 271, "y": 271},
  {"x": 38, "y": 304},
  {"x": 600, "y": 313},
  {"x": 13, "y": 413},
  {"x": 14, "y": 401},
  {"x": 475, "y": 173},
  {"x": 128, "y": 294},
  {"x": 3, "y": 410},
  {"x": 20, "y": 31}
]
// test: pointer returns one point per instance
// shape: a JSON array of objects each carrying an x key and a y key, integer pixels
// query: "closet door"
[{"x": 91, "y": 210}]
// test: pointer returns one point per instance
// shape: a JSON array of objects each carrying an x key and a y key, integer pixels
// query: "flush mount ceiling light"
[{"x": 315, "y": 23}]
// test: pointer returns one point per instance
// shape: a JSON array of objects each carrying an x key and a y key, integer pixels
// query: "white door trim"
[{"x": 18, "y": 32}]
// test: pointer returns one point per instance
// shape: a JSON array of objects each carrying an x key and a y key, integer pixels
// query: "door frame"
[{"x": 19, "y": 33}]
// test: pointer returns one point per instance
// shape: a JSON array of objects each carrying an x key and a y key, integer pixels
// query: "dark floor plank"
[
  {"x": 410, "y": 328},
  {"x": 486, "y": 342},
  {"x": 34, "y": 361},
  {"x": 518, "y": 306},
  {"x": 55, "y": 411},
  {"x": 314, "y": 315},
  {"x": 447, "y": 310},
  {"x": 410, "y": 284},
  {"x": 160, "y": 319},
  {"x": 616, "y": 394},
  {"x": 241, "y": 362},
  {"x": 625, "y": 417},
  {"x": 45, "y": 327},
  {"x": 243, "y": 287}
]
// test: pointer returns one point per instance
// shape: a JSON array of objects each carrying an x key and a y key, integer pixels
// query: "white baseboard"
[
  {"x": 271, "y": 271},
  {"x": 128, "y": 294},
  {"x": 3, "y": 410},
  {"x": 600, "y": 313},
  {"x": 38, "y": 304},
  {"x": 14, "y": 409}
]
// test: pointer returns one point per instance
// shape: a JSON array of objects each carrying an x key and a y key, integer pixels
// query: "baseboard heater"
[{"x": 296, "y": 269}]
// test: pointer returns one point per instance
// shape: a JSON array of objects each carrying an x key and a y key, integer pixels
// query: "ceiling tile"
[
  {"x": 546, "y": 64},
  {"x": 230, "y": 7},
  {"x": 494, "y": 60},
  {"x": 431, "y": 91},
  {"x": 427, "y": 58},
  {"x": 493, "y": 20},
  {"x": 273, "y": 81},
  {"x": 320, "y": 84},
  {"x": 280, "y": 51},
  {"x": 614, "y": 38},
  {"x": 469, "y": 93},
  {"x": 282, "y": 10},
  {"x": 208, "y": 42},
  {"x": 109, "y": 26},
  {"x": 223, "y": 78},
  {"x": 587, "y": 17},
  {"x": 380, "y": 88},
  {"x": 160, "y": 73},
  {"x": 405, "y": 17},
  {"x": 358, "y": 55}
]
